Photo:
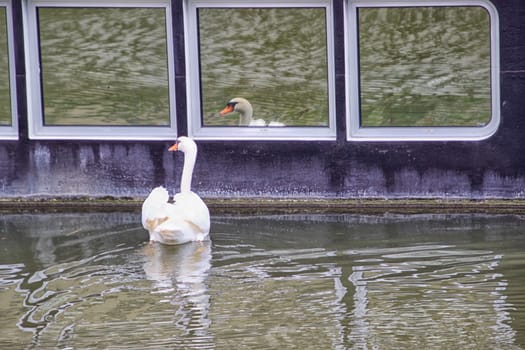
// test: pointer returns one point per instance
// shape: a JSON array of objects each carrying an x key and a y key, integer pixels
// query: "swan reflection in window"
[
  {"x": 245, "y": 110},
  {"x": 268, "y": 65}
]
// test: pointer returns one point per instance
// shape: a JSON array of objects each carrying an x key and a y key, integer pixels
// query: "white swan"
[
  {"x": 188, "y": 218},
  {"x": 245, "y": 110}
]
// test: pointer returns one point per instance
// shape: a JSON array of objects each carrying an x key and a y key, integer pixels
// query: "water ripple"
[
  {"x": 443, "y": 292},
  {"x": 281, "y": 284}
]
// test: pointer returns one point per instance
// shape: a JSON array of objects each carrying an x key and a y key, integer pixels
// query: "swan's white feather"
[
  {"x": 156, "y": 208},
  {"x": 191, "y": 208},
  {"x": 257, "y": 122},
  {"x": 187, "y": 219}
]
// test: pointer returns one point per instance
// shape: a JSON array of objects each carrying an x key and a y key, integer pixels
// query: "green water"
[{"x": 91, "y": 281}]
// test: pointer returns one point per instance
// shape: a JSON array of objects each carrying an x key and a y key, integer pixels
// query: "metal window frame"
[
  {"x": 37, "y": 129},
  {"x": 10, "y": 132},
  {"x": 355, "y": 132},
  {"x": 195, "y": 127}
]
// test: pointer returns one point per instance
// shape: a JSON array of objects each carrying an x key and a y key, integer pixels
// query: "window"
[
  {"x": 8, "y": 114},
  {"x": 276, "y": 55},
  {"x": 422, "y": 70},
  {"x": 100, "y": 70}
]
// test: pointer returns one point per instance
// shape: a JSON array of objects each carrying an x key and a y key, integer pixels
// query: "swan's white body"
[
  {"x": 245, "y": 110},
  {"x": 188, "y": 218}
]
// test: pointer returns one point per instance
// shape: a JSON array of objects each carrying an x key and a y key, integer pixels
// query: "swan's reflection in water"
[
  {"x": 179, "y": 274},
  {"x": 97, "y": 284}
]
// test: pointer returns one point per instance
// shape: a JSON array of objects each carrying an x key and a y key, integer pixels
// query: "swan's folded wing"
[
  {"x": 176, "y": 231},
  {"x": 152, "y": 219},
  {"x": 156, "y": 208},
  {"x": 192, "y": 209}
]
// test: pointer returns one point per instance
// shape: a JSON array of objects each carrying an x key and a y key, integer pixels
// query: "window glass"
[
  {"x": 100, "y": 71},
  {"x": 274, "y": 57},
  {"x": 5, "y": 95},
  {"x": 104, "y": 66},
  {"x": 277, "y": 56},
  {"x": 423, "y": 70},
  {"x": 424, "y": 66}
]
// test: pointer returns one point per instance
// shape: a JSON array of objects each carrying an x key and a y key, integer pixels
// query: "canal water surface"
[{"x": 91, "y": 281}]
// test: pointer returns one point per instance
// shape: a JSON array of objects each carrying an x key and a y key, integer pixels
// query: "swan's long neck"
[
  {"x": 246, "y": 115},
  {"x": 190, "y": 157}
]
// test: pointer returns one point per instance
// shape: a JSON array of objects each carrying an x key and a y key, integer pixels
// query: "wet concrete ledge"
[{"x": 265, "y": 206}]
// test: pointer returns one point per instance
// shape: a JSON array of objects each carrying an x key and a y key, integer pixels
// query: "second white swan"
[{"x": 245, "y": 110}]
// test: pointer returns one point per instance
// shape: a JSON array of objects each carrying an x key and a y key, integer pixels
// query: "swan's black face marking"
[{"x": 232, "y": 104}]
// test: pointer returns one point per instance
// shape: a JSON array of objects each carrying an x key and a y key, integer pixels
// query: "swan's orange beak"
[
  {"x": 174, "y": 147},
  {"x": 228, "y": 109}
]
